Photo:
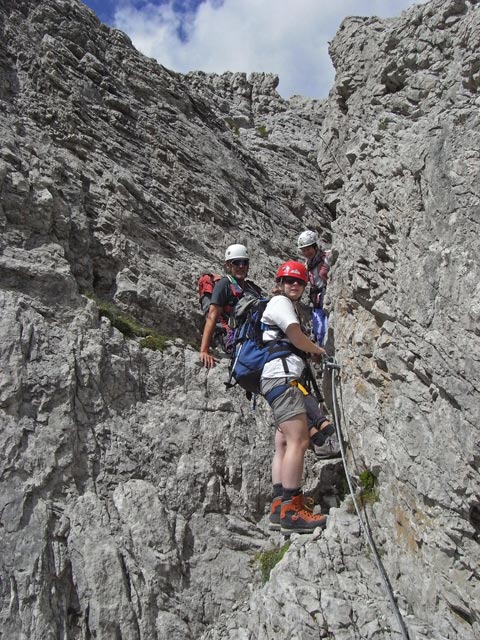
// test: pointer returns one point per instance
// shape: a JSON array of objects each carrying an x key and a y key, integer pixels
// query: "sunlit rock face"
[{"x": 134, "y": 485}]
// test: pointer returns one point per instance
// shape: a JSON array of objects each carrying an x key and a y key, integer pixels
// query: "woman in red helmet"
[{"x": 287, "y": 401}]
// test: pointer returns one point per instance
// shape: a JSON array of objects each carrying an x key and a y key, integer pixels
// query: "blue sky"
[{"x": 286, "y": 37}]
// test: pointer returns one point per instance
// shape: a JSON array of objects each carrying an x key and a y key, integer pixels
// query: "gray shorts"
[{"x": 286, "y": 406}]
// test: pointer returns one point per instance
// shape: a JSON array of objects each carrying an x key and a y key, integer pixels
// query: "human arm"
[
  {"x": 323, "y": 270},
  {"x": 214, "y": 312},
  {"x": 280, "y": 314},
  {"x": 296, "y": 336}
]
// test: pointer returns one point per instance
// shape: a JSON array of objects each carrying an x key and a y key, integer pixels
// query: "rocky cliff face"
[{"x": 134, "y": 487}]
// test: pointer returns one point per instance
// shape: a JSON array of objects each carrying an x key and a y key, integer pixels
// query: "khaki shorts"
[{"x": 286, "y": 406}]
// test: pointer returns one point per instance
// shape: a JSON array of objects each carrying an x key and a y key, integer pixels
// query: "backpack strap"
[
  {"x": 310, "y": 380},
  {"x": 237, "y": 292},
  {"x": 252, "y": 288},
  {"x": 281, "y": 340},
  {"x": 235, "y": 288},
  {"x": 279, "y": 345}
]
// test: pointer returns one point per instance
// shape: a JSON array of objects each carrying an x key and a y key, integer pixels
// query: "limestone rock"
[
  {"x": 399, "y": 153},
  {"x": 134, "y": 486}
]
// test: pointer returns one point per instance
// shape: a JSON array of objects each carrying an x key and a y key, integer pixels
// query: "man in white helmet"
[
  {"x": 317, "y": 262},
  {"x": 226, "y": 293}
]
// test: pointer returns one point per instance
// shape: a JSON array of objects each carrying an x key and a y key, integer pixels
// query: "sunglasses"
[
  {"x": 240, "y": 263},
  {"x": 290, "y": 280}
]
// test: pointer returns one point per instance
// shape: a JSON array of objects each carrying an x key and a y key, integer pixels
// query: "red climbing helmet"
[{"x": 292, "y": 269}]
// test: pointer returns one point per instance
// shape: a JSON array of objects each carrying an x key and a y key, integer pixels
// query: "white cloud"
[{"x": 286, "y": 37}]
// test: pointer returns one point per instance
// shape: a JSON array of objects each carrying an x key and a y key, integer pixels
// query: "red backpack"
[{"x": 205, "y": 284}]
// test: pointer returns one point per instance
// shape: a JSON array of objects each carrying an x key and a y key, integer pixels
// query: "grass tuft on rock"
[
  {"x": 154, "y": 342},
  {"x": 234, "y": 128},
  {"x": 269, "y": 559},
  {"x": 128, "y": 326},
  {"x": 368, "y": 493},
  {"x": 263, "y": 131}
]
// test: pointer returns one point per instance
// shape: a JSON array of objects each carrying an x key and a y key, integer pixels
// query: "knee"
[
  {"x": 280, "y": 442},
  {"x": 301, "y": 443},
  {"x": 304, "y": 442}
]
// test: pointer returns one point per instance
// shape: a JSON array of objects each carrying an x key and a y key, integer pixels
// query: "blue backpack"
[{"x": 250, "y": 353}]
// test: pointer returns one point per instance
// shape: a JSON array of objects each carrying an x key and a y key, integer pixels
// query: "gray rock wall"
[
  {"x": 399, "y": 155},
  {"x": 134, "y": 487},
  {"x": 132, "y": 484}
]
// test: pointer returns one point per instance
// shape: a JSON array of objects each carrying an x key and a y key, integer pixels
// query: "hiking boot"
[
  {"x": 329, "y": 449},
  {"x": 294, "y": 518},
  {"x": 274, "y": 519},
  {"x": 308, "y": 503}
]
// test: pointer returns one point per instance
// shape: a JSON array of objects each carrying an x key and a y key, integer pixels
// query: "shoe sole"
[
  {"x": 274, "y": 527},
  {"x": 287, "y": 532}
]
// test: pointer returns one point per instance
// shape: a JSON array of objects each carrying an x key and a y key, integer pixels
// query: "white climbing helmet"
[
  {"x": 235, "y": 252},
  {"x": 307, "y": 239}
]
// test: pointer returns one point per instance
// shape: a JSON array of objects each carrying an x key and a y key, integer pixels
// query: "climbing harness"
[{"x": 332, "y": 365}]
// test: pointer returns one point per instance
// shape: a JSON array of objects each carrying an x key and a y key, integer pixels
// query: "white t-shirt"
[{"x": 281, "y": 313}]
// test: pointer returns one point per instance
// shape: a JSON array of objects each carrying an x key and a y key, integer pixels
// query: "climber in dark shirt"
[{"x": 225, "y": 295}]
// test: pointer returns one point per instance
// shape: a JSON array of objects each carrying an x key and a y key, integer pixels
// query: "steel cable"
[{"x": 334, "y": 369}]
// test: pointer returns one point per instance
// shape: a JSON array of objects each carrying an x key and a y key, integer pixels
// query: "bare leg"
[
  {"x": 296, "y": 437},
  {"x": 280, "y": 447}
]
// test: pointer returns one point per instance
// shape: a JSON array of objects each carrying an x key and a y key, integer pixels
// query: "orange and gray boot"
[
  {"x": 296, "y": 518},
  {"x": 274, "y": 519}
]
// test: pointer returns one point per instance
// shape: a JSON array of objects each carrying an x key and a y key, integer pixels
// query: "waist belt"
[{"x": 276, "y": 392}]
